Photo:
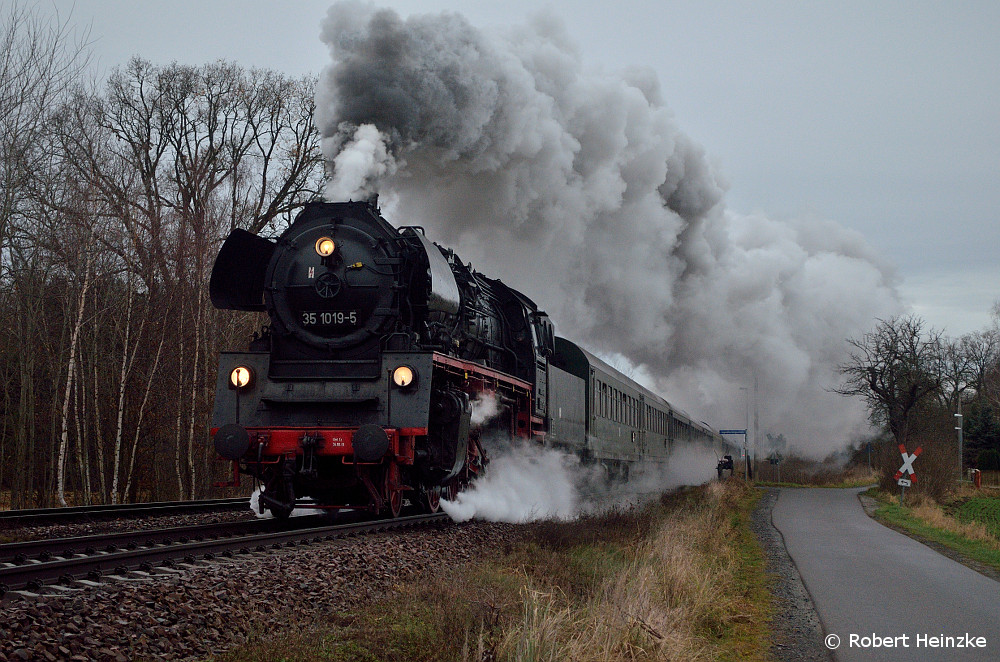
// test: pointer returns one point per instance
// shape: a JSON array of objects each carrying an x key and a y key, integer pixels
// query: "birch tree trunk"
[
  {"x": 180, "y": 411},
  {"x": 82, "y": 456},
  {"x": 70, "y": 373},
  {"x": 193, "y": 413},
  {"x": 99, "y": 436},
  {"x": 123, "y": 379},
  {"x": 142, "y": 411}
]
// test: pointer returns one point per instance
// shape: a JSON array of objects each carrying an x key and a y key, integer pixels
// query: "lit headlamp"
[
  {"x": 240, "y": 378},
  {"x": 404, "y": 376},
  {"x": 325, "y": 246}
]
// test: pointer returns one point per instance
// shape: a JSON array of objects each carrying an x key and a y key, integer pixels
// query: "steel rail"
[
  {"x": 43, "y": 550},
  {"x": 33, "y": 576},
  {"x": 39, "y": 515}
]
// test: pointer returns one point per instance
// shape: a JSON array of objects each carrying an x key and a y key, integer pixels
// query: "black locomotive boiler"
[{"x": 360, "y": 391}]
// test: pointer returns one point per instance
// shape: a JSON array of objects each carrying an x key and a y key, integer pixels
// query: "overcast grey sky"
[{"x": 882, "y": 116}]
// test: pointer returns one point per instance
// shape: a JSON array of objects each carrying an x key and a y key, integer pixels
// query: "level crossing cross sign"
[{"x": 907, "y": 467}]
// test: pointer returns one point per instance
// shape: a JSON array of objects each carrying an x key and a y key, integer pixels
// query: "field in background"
[
  {"x": 981, "y": 510},
  {"x": 679, "y": 579}
]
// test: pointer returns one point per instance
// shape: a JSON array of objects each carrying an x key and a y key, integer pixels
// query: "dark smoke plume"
[{"x": 577, "y": 187}]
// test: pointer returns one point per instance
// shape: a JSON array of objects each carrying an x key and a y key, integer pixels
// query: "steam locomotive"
[{"x": 361, "y": 391}]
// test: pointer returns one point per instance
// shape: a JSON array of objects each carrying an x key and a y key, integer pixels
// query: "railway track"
[
  {"x": 12, "y": 518},
  {"x": 68, "y": 560}
]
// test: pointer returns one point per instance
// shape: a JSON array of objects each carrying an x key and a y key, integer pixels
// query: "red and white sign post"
[{"x": 907, "y": 468}]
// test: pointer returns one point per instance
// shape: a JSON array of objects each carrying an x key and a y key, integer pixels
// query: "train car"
[
  {"x": 359, "y": 393},
  {"x": 623, "y": 423}
]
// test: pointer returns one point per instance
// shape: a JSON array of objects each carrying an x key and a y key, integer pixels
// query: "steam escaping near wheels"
[{"x": 526, "y": 482}]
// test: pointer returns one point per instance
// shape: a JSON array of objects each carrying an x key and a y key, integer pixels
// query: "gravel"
[
  {"x": 199, "y": 610},
  {"x": 86, "y": 527},
  {"x": 796, "y": 633}
]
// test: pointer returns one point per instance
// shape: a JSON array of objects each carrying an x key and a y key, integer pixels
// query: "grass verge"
[
  {"x": 853, "y": 477},
  {"x": 682, "y": 578},
  {"x": 964, "y": 534}
]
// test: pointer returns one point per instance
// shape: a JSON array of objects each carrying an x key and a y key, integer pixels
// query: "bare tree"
[
  {"x": 982, "y": 351},
  {"x": 957, "y": 371},
  {"x": 39, "y": 57},
  {"x": 896, "y": 368},
  {"x": 113, "y": 204}
]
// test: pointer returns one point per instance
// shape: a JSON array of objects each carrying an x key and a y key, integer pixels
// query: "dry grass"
[
  {"x": 673, "y": 600},
  {"x": 804, "y": 473},
  {"x": 930, "y": 513}
]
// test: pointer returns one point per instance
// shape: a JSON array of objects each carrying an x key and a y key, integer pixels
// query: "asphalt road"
[{"x": 870, "y": 581}]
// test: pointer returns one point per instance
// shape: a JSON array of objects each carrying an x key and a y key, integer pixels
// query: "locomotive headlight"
[
  {"x": 404, "y": 376},
  {"x": 325, "y": 247},
  {"x": 240, "y": 378}
]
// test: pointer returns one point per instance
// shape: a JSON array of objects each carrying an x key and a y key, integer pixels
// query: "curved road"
[{"x": 870, "y": 581}]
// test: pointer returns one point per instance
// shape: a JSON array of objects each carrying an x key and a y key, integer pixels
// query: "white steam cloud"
[
  {"x": 485, "y": 407},
  {"x": 526, "y": 482},
  {"x": 577, "y": 187}
]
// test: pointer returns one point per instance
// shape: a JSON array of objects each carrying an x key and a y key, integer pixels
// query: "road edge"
[
  {"x": 796, "y": 629},
  {"x": 870, "y": 505}
]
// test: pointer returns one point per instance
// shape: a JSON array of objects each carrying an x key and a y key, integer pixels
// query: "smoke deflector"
[
  {"x": 237, "y": 281},
  {"x": 444, "y": 295}
]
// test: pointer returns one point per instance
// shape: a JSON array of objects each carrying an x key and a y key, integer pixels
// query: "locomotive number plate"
[{"x": 330, "y": 318}]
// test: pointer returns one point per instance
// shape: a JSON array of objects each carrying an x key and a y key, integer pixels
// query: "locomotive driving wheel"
[
  {"x": 450, "y": 491},
  {"x": 432, "y": 498},
  {"x": 393, "y": 490}
]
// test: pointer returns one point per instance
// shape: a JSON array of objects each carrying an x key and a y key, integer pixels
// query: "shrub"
[{"x": 937, "y": 465}]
